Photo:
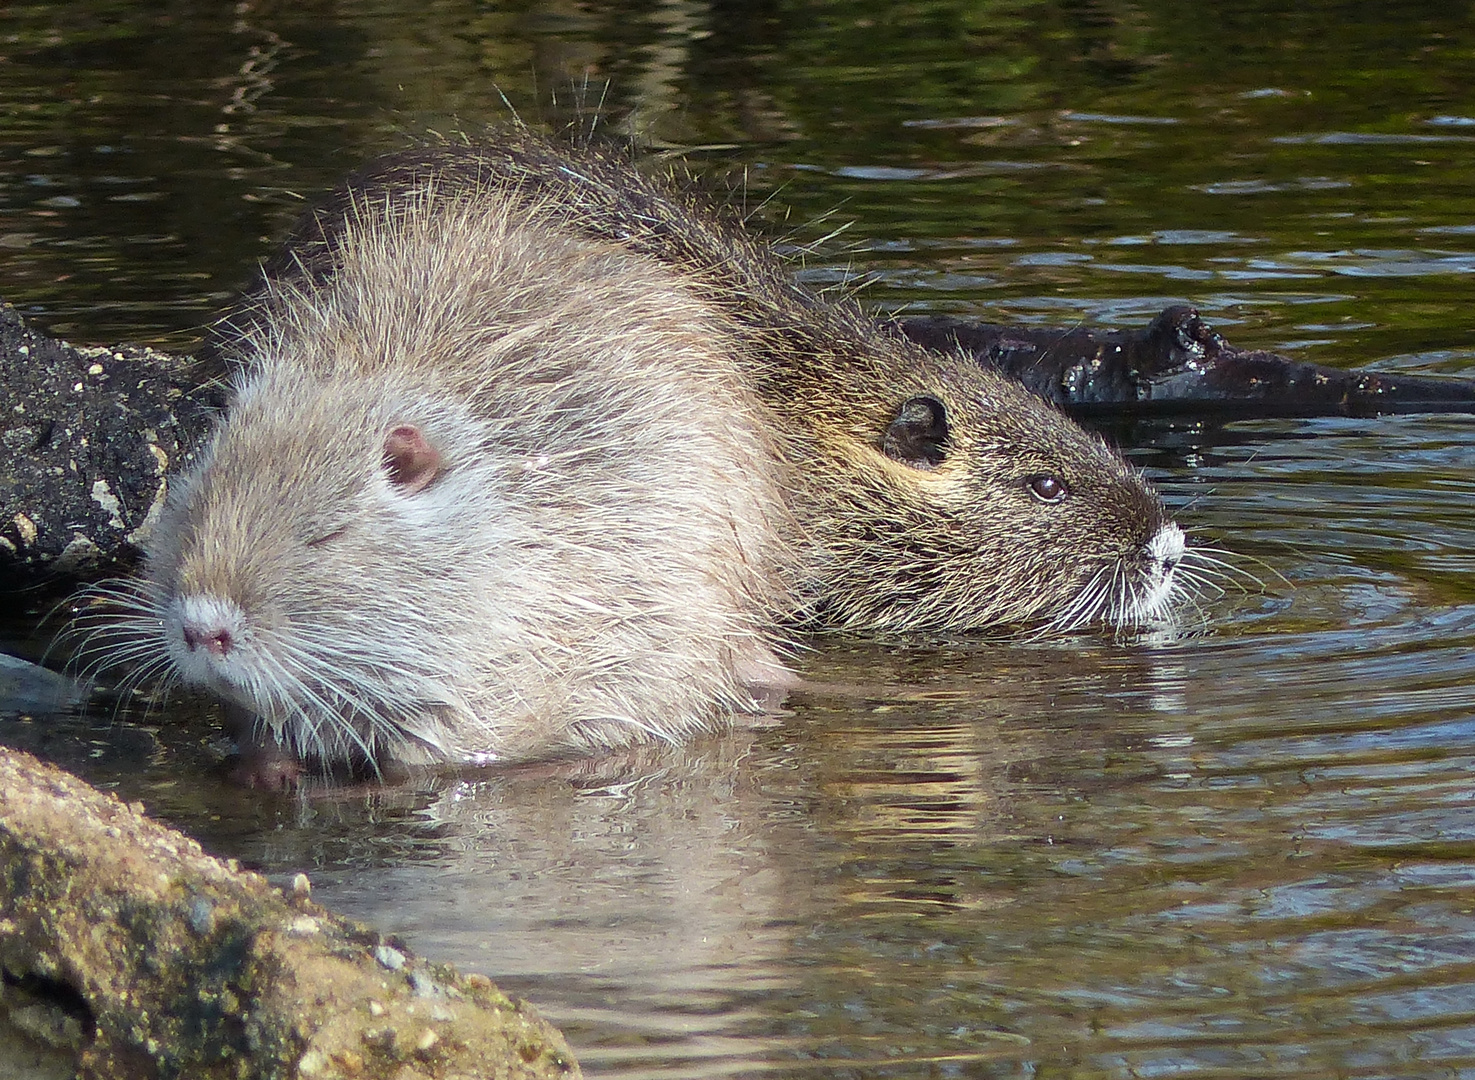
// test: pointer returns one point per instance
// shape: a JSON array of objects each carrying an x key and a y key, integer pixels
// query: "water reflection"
[
  {"x": 700, "y": 901},
  {"x": 1077, "y": 855}
]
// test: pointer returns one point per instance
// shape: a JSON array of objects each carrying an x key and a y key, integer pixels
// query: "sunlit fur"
[
  {"x": 885, "y": 545},
  {"x": 599, "y": 561}
]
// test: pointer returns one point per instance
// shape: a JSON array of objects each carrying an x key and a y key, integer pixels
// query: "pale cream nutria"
[
  {"x": 533, "y": 454},
  {"x": 487, "y": 491},
  {"x": 935, "y": 495}
]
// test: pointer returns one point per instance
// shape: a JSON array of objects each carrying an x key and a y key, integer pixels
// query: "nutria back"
[{"x": 933, "y": 494}]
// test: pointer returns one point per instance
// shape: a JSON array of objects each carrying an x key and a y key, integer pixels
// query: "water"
[{"x": 1249, "y": 851}]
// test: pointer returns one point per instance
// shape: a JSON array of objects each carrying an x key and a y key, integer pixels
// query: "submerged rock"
[
  {"x": 27, "y": 688},
  {"x": 1180, "y": 366}
]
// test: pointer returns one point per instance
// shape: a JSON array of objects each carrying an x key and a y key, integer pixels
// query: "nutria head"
[{"x": 976, "y": 505}]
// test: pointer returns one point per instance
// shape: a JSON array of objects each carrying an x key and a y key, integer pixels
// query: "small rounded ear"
[
  {"x": 409, "y": 458},
  {"x": 918, "y": 435}
]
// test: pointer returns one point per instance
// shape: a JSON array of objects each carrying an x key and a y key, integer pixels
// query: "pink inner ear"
[{"x": 411, "y": 460}]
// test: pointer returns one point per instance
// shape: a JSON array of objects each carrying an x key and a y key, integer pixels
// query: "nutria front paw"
[{"x": 266, "y": 768}]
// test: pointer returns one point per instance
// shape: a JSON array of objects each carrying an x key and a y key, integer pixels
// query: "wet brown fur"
[{"x": 889, "y": 545}]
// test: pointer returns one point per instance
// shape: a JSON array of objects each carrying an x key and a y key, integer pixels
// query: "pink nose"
[{"x": 213, "y": 639}]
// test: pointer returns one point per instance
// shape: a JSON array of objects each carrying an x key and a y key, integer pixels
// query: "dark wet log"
[
  {"x": 1179, "y": 366},
  {"x": 127, "y": 953}
]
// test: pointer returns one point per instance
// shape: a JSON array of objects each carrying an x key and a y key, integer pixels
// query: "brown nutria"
[
  {"x": 532, "y": 453},
  {"x": 935, "y": 495},
  {"x": 487, "y": 491}
]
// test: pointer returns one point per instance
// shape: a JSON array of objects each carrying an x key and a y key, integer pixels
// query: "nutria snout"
[{"x": 530, "y": 453}]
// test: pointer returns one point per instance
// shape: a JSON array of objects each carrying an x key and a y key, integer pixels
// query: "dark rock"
[{"x": 87, "y": 436}]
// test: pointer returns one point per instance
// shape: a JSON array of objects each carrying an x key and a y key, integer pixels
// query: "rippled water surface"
[{"x": 1247, "y": 849}]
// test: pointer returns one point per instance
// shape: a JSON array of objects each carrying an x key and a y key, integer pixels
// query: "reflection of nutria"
[{"x": 529, "y": 455}]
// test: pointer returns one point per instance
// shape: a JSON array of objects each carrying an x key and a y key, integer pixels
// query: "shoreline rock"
[{"x": 128, "y": 953}]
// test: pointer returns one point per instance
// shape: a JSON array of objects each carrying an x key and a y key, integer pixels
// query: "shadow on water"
[{"x": 1245, "y": 851}]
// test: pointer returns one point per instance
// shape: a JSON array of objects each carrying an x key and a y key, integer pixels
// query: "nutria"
[
  {"x": 936, "y": 495},
  {"x": 532, "y": 453},
  {"x": 488, "y": 491}
]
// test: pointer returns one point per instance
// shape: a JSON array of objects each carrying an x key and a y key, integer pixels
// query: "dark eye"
[{"x": 1047, "y": 488}]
